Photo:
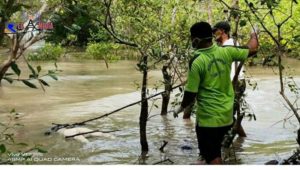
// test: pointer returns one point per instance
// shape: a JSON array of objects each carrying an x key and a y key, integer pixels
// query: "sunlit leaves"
[
  {"x": 46, "y": 53},
  {"x": 103, "y": 51}
]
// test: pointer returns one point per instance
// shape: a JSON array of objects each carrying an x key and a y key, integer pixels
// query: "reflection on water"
[{"x": 88, "y": 89}]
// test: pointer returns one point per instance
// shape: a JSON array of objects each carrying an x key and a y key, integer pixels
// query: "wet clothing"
[
  {"x": 210, "y": 141},
  {"x": 209, "y": 78},
  {"x": 209, "y": 82}
]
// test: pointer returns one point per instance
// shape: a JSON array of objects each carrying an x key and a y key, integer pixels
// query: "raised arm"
[{"x": 253, "y": 42}]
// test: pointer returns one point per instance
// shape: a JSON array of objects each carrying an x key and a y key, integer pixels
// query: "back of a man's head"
[
  {"x": 223, "y": 25},
  {"x": 202, "y": 31}
]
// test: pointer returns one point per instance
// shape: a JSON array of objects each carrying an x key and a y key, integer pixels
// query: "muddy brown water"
[{"x": 87, "y": 89}]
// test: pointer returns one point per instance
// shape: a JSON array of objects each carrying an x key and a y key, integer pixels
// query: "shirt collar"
[{"x": 207, "y": 49}]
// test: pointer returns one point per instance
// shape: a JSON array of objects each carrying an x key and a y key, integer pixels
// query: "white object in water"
[{"x": 83, "y": 138}]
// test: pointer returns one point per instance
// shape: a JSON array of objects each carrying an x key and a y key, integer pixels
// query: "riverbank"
[{"x": 291, "y": 67}]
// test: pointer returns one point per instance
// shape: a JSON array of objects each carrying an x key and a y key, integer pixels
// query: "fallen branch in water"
[
  {"x": 166, "y": 160},
  {"x": 60, "y": 126},
  {"x": 163, "y": 146},
  {"x": 84, "y": 133},
  {"x": 293, "y": 160}
]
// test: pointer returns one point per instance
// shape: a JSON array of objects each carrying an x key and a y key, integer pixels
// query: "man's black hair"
[
  {"x": 222, "y": 25},
  {"x": 201, "y": 30}
]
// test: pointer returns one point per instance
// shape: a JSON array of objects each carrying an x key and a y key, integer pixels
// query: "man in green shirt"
[{"x": 209, "y": 82}]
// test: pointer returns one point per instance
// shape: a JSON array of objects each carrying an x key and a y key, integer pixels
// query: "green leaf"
[
  {"x": 53, "y": 76},
  {"x": 13, "y": 111},
  {"x": 44, "y": 82},
  {"x": 15, "y": 68},
  {"x": 31, "y": 76},
  {"x": 32, "y": 70},
  {"x": 27, "y": 83},
  {"x": 41, "y": 150},
  {"x": 10, "y": 80},
  {"x": 243, "y": 23},
  {"x": 39, "y": 68},
  {"x": 2, "y": 148},
  {"x": 297, "y": 38}
]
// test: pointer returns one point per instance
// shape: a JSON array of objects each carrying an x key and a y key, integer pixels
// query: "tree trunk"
[
  {"x": 238, "y": 128},
  {"x": 237, "y": 87},
  {"x": 166, "y": 75},
  {"x": 13, "y": 56},
  {"x": 144, "y": 108},
  {"x": 2, "y": 28},
  {"x": 168, "y": 87},
  {"x": 3, "y": 69}
]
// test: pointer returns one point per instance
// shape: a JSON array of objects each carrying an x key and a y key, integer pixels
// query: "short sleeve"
[
  {"x": 193, "y": 79},
  {"x": 238, "y": 53}
]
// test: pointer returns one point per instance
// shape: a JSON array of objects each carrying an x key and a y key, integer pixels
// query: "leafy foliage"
[
  {"x": 35, "y": 75},
  {"x": 46, "y": 53},
  {"x": 74, "y": 26},
  {"x": 7, "y": 9},
  {"x": 102, "y": 51}
]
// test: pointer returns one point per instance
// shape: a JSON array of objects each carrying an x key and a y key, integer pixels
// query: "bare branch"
[
  {"x": 290, "y": 16},
  {"x": 59, "y": 126},
  {"x": 109, "y": 27},
  {"x": 291, "y": 106},
  {"x": 166, "y": 160},
  {"x": 262, "y": 24},
  {"x": 28, "y": 44},
  {"x": 163, "y": 146},
  {"x": 231, "y": 8},
  {"x": 94, "y": 131}
]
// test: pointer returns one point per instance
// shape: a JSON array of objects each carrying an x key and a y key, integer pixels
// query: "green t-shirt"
[{"x": 209, "y": 77}]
